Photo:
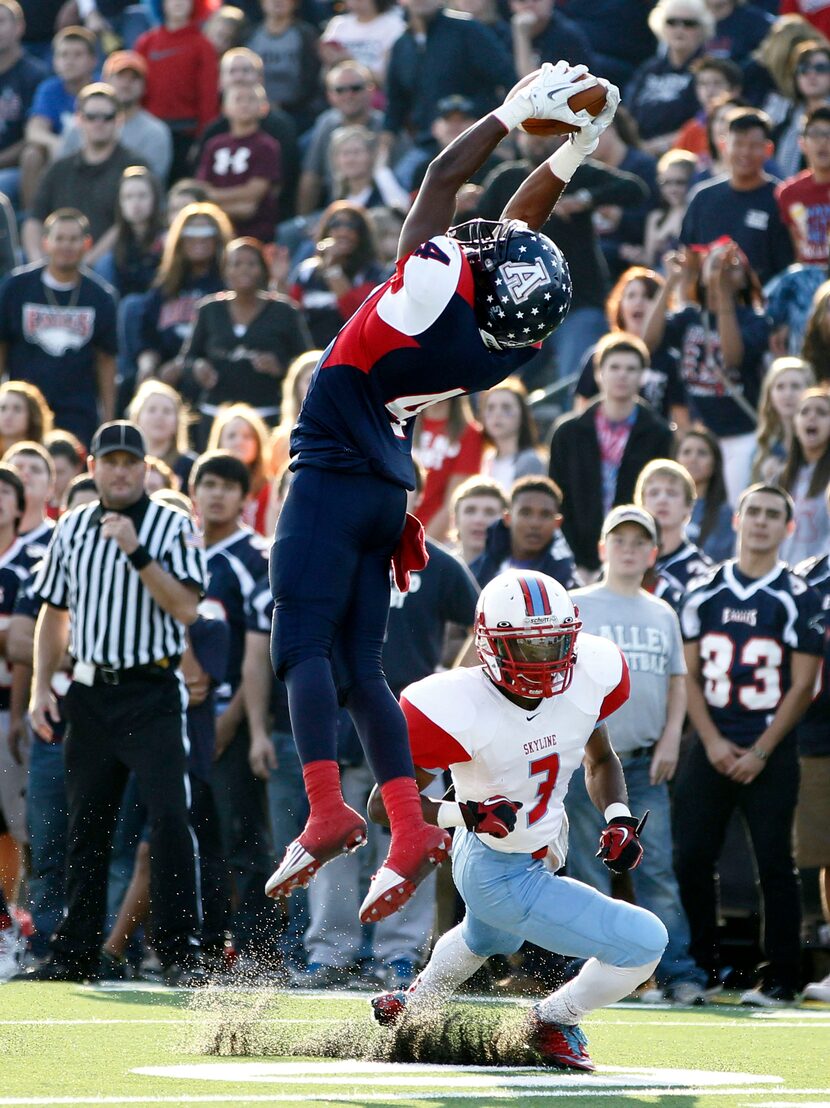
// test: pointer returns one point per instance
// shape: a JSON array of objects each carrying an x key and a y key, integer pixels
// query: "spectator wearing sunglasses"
[
  {"x": 810, "y": 77},
  {"x": 88, "y": 180},
  {"x": 350, "y": 90},
  {"x": 661, "y": 96}
]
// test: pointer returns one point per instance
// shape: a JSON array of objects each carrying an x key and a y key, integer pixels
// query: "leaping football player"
[
  {"x": 512, "y": 731},
  {"x": 460, "y": 314}
]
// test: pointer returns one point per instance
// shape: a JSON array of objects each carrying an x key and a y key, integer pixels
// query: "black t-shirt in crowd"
[
  {"x": 444, "y": 592},
  {"x": 750, "y": 217},
  {"x": 52, "y": 336},
  {"x": 279, "y": 329}
]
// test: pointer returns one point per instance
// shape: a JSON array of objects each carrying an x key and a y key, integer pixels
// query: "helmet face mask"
[
  {"x": 526, "y": 633},
  {"x": 522, "y": 282}
]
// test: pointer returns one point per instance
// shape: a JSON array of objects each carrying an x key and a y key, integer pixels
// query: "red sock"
[
  {"x": 403, "y": 805},
  {"x": 322, "y": 786}
]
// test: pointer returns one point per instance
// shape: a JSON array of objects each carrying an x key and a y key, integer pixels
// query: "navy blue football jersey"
[
  {"x": 814, "y": 730},
  {"x": 209, "y": 640},
  {"x": 12, "y": 580},
  {"x": 683, "y": 565},
  {"x": 235, "y": 566},
  {"x": 746, "y": 630},
  {"x": 259, "y": 612},
  {"x": 413, "y": 341}
]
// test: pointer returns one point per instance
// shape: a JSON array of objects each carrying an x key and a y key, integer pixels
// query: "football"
[{"x": 591, "y": 98}]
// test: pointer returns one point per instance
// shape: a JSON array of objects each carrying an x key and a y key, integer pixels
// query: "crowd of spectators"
[{"x": 193, "y": 200}]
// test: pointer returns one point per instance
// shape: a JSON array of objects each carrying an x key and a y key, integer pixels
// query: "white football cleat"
[
  {"x": 390, "y": 889},
  {"x": 302, "y": 860}
]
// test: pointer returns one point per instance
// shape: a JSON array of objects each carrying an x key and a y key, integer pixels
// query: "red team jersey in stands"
[
  {"x": 461, "y": 721},
  {"x": 414, "y": 341}
]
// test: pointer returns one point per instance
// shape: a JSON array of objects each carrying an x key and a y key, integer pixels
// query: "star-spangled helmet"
[
  {"x": 522, "y": 282},
  {"x": 525, "y": 633}
]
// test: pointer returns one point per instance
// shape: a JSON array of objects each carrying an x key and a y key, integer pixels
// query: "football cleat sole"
[
  {"x": 389, "y": 890},
  {"x": 299, "y": 866}
]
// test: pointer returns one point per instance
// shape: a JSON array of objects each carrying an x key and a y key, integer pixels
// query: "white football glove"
[
  {"x": 586, "y": 139},
  {"x": 547, "y": 95},
  {"x": 550, "y": 92}
]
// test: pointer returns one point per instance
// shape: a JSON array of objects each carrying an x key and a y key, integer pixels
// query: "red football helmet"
[{"x": 526, "y": 629}]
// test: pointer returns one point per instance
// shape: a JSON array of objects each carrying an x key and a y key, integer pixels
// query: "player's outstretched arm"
[
  {"x": 535, "y": 198},
  {"x": 546, "y": 97},
  {"x": 604, "y": 777}
]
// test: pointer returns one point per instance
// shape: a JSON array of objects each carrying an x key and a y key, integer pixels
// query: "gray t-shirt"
[
  {"x": 282, "y": 57},
  {"x": 647, "y": 631}
]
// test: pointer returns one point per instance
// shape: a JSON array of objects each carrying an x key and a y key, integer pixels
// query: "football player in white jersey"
[{"x": 512, "y": 732}]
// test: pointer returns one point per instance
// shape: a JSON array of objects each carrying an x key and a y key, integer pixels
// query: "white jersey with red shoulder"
[
  {"x": 461, "y": 721},
  {"x": 414, "y": 341}
]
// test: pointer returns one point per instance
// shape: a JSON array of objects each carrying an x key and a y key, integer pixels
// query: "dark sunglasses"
[
  {"x": 813, "y": 67},
  {"x": 347, "y": 223},
  {"x": 339, "y": 89},
  {"x": 680, "y": 181},
  {"x": 99, "y": 117},
  {"x": 678, "y": 21}
]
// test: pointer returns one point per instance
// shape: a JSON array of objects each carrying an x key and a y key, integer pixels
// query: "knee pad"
[{"x": 641, "y": 936}]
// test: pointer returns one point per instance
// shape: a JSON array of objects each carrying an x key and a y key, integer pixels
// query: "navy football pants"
[{"x": 330, "y": 567}]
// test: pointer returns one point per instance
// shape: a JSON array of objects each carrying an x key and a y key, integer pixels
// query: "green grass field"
[{"x": 73, "y": 1045}]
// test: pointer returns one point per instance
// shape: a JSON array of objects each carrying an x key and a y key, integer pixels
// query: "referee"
[{"x": 123, "y": 575}]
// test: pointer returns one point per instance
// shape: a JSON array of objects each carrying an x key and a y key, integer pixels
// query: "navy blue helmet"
[{"x": 522, "y": 283}]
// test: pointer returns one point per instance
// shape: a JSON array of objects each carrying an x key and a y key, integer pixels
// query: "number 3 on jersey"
[
  {"x": 549, "y": 766},
  {"x": 717, "y": 652}
]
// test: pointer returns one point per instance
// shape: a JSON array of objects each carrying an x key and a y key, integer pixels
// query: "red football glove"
[
  {"x": 496, "y": 816},
  {"x": 619, "y": 843}
]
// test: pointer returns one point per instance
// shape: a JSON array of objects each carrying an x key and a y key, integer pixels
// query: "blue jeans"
[
  {"x": 46, "y": 816},
  {"x": 288, "y": 811},
  {"x": 512, "y": 897},
  {"x": 654, "y": 882}
]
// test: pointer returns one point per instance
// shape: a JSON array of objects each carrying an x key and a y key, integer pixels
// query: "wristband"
[
  {"x": 616, "y": 811},
  {"x": 140, "y": 558},
  {"x": 512, "y": 112},
  {"x": 565, "y": 161},
  {"x": 759, "y": 753},
  {"x": 450, "y": 814}
]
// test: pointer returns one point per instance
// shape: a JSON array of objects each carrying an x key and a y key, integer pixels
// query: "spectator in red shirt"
[
  {"x": 242, "y": 168},
  {"x": 804, "y": 200},
  {"x": 448, "y": 444},
  {"x": 813, "y": 11},
  {"x": 182, "y": 78}
]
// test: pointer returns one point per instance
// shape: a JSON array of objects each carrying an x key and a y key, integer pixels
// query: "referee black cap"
[{"x": 119, "y": 434}]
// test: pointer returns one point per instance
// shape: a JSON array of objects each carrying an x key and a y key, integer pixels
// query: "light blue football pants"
[{"x": 512, "y": 899}]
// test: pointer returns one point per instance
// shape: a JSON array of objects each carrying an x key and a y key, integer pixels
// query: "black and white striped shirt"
[{"x": 114, "y": 621}]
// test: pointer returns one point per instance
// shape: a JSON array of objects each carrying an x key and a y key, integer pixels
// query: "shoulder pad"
[
  {"x": 599, "y": 659},
  {"x": 448, "y": 698}
]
